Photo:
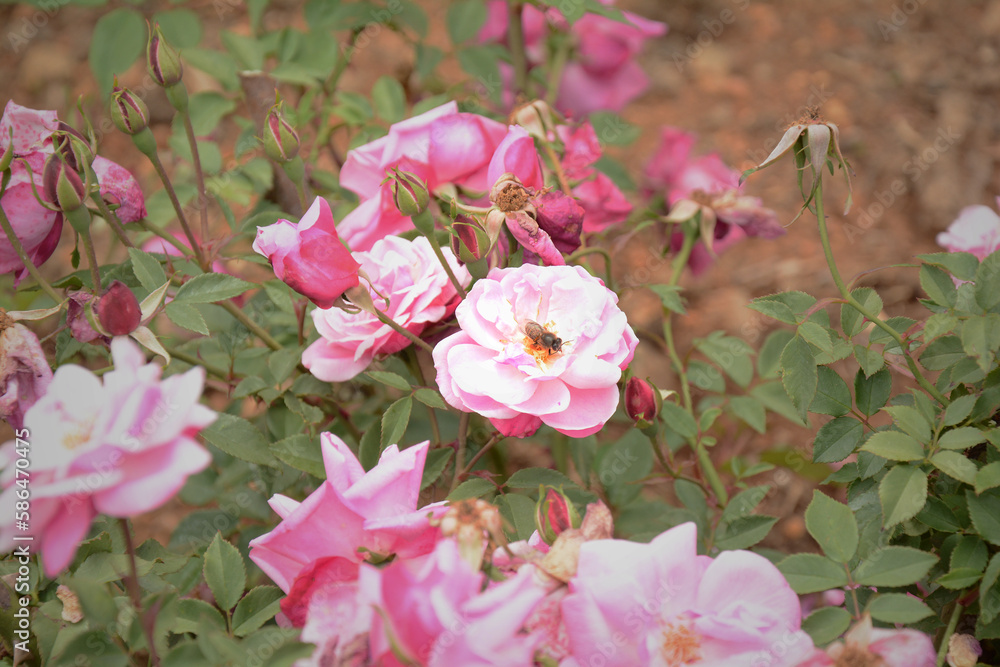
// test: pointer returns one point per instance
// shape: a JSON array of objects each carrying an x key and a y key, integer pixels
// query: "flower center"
[
  {"x": 680, "y": 645},
  {"x": 512, "y": 198},
  {"x": 856, "y": 656},
  {"x": 74, "y": 437}
]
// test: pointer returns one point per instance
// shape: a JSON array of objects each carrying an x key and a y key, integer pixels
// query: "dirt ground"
[{"x": 913, "y": 86}]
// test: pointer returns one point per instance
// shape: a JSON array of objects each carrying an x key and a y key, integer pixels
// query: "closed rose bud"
[
  {"x": 536, "y": 117},
  {"x": 554, "y": 513},
  {"x": 118, "y": 310},
  {"x": 128, "y": 112},
  {"x": 62, "y": 186},
  {"x": 74, "y": 148},
  {"x": 640, "y": 400},
  {"x": 281, "y": 143},
  {"x": 6, "y": 151},
  {"x": 409, "y": 193},
  {"x": 963, "y": 650},
  {"x": 162, "y": 61},
  {"x": 469, "y": 242}
]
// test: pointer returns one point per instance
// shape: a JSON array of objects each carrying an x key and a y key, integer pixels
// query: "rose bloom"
[
  {"x": 976, "y": 230},
  {"x": 602, "y": 201},
  {"x": 37, "y": 227},
  {"x": 419, "y": 293},
  {"x": 633, "y": 604},
  {"x": 352, "y": 513},
  {"x": 119, "y": 447},
  {"x": 24, "y": 372},
  {"x": 865, "y": 645},
  {"x": 492, "y": 367},
  {"x": 674, "y": 171}
]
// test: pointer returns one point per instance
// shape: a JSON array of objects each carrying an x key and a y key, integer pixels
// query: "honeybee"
[{"x": 542, "y": 337}]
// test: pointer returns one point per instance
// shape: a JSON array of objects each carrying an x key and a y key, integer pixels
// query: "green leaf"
[
  {"x": 744, "y": 532},
  {"x": 464, "y": 19},
  {"x": 962, "y": 438},
  {"x": 969, "y": 551},
  {"x": 955, "y": 465},
  {"x": 812, "y": 573},
  {"x": 390, "y": 379},
  {"x": 833, "y": 526},
  {"x": 187, "y": 316},
  {"x": 437, "y": 461},
  {"x": 871, "y": 361},
  {"x": 939, "y": 516},
  {"x": 118, "y": 39},
  {"x": 302, "y": 452},
  {"x": 769, "y": 357},
  {"x": 87, "y": 643},
  {"x": 238, "y": 437},
  {"x": 519, "y": 510},
  {"x": 903, "y": 492},
  {"x": 837, "y": 439},
  {"x": 911, "y": 421},
  {"x": 799, "y": 376},
  {"x": 472, "y": 488},
  {"x": 939, "y": 324},
  {"x": 670, "y": 295},
  {"x": 430, "y": 397},
  {"x": 196, "y": 616},
  {"x": 988, "y": 477},
  {"x": 960, "y": 578},
  {"x": 938, "y": 285},
  {"x": 104, "y": 567},
  {"x": 260, "y": 605},
  {"x": 962, "y": 265},
  {"x": 482, "y": 64},
  {"x": 784, "y": 306},
  {"x": 532, "y": 478},
  {"x": 989, "y": 591},
  {"x": 895, "y": 446},
  {"x": 147, "y": 269},
  {"x": 751, "y": 411},
  {"x": 981, "y": 339},
  {"x": 679, "y": 419},
  {"x": 211, "y": 287},
  {"x": 826, "y": 624},
  {"x": 224, "y": 572},
  {"x": 893, "y": 566},
  {"x": 833, "y": 397},
  {"x": 984, "y": 510},
  {"x": 959, "y": 409},
  {"x": 898, "y": 608},
  {"x": 248, "y": 51},
  {"x": 987, "y": 279},
  {"x": 817, "y": 336},
  {"x": 942, "y": 353},
  {"x": 389, "y": 99},
  {"x": 729, "y": 353},
  {"x": 395, "y": 420},
  {"x": 851, "y": 321},
  {"x": 98, "y": 606},
  {"x": 181, "y": 27},
  {"x": 871, "y": 393},
  {"x": 369, "y": 449}
]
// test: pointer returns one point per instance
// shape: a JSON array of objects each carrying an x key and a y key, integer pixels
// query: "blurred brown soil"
[{"x": 912, "y": 85}]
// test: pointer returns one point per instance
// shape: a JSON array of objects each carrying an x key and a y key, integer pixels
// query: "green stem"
[
  {"x": 172, "y": 195},
  {"x": 515, "y": 40},
  {"x": 956, "y": 613},
  {"x": 436, "y": 247},
  {"x": 494, "y": 439},
  {"x": 556, "y": 67},
  {"x": 463, "y": 441},
  {"x": 88, "y": 247},
  {"x": 28, "y": 264},
  {"x": 409, "y": 335},
  {"x": 608, "y": 277},
  {"x": 254, "y": 328},
  {"x": 195, "y": 361},
  {"x": 199, "y": 175},
  {"x": 557, "y": 168},
  {"x": 169, "y": 238},
  {"x": 824, "y": 236},
  {"x": 711, "y": 474},
  {"x": 135, "y": 592},
  {"x": 112, "y": 219}
]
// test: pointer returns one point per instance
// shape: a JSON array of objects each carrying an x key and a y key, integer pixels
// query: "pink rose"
[
  {"x": 420, "y": 294},
  {"x": 581, "y": 149},
  {"x": 976, "y": 230},
  {"x": 37, "y": 227},
  {"x": 663, "y": 604},
  {"x": 308, "y": 256},
  {"x": 603, "y": 203},
  {"x": 517, "y": 155},
  {"x": 863, "y": 644},
  {"x": 673, "y": 170},
  {"x": 350, "y": 511},
  {"x": 119, "y": 447},
  {"x": 492, "y": 366},
  {"x": 24, "y": 372}
]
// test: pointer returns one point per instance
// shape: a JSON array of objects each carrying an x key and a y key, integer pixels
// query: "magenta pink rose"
[
  {"x": 976, "y": 230},
  {"x": 863, "y": 644},
  {"x": 351, "y": 514},
  {"x": 24, "y": 372},
  {"x": 308, "y": 256},
  {"x": 675, "y": 172},
  {"x": 633, "y": 604},
  {"x": 420, "y": 294},
  {"x": 493, "y": 368},
  {"x": 119, "y": 447},
  {"x": 517, "y": 155},
  {"x": 581, "y": 149},
  {"x": 604, "y": 204},
  {"x": 37, "y": 227}
]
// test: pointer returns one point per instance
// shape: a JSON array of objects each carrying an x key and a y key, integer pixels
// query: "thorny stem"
[
  {"x": 463, "y": 441},
  {"x": 557, "y": 168},
  {"x": 88, "y": 247},
  {"x": 28, "y": 264},
  {"x": 556, "y": 67},
  {"x": 515, "y": 39},
  {"x": 824, "y": 236},
  {"x": 416, "y": 340},
  {"x": 199, "y": 175},
  {"x": 112, "y": 219},
  {"x": 185, "y": 251},
  {"x": 195, "y": 361},
  {"x": 169, "y": 187},
  {"x": 494, "y": 439},
  {"x": 956, "y": 613},
  {"x": 436, "y": 247},
  {"x": 254, "y": 328},
  {"x": 132, "y": 583}
]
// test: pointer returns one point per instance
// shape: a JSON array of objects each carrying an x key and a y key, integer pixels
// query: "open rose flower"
[
  {"x": 865, "y": 645},
  {"x": 419, "y": 293},
  {"x": 119, "y": 447},
  {"x": 603, "y": 203},
  {"x": 24, "y": 372},
  {"x": 352, "y": 513},
  {"x": 37, "y": 227},
  {"x": 633, "y": 604},
  {"x": 976, "y": 230},
  {"x": 493, "y": 367},
  {"x": 308, "y": 256},
  {"x": 517, "y": 155}
]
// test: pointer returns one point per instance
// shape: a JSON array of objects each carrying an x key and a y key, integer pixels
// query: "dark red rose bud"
[
  {"x": 640, "y": 400},
  {"x": 470, "y": 242},
  {"x": 162, "y": 61},
  {"x": 62, "y": 185},
  {"x": 554, "y": 514},
  {"x": 281, "y": 143},
  {"x": 561, "y": 217},
  {"x": 118, "y": 310}
]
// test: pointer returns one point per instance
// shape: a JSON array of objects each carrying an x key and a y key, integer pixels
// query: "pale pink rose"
[
  {"x": 583, "y": 91},
  {"x": 24, "y": 372},
  {"x": 351, "y": 514},
  {"x": 119, "y": 447},
  {"x": 37, "y": 227},
  {"x": 976, "y": 230},
  {"x": 419, "y": 292},
  {"x": 633, "y": 604},
  {"x": 308, "y": 256},
  {"x": 491, "y": 366},
  {"x": 517, "y": 155},
  {"x": 863, "y": 644},
  {"x": 581, "y": 149},
  {"x": 432, "y": 610},
  {"x": 533, "y": 26},
  {"x": 675, "y": 172},
  {"x": 605, "y": 205}
]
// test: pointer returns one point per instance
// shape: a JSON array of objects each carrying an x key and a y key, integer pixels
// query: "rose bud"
[
  {"x": 470, "y": 242},
  {"x": 963, "y": 650},
  {"x": 409, "y": 193},
  {"x": 162, "y": 61},
  {"x": 118, "y": 310},
  {"x": 640, "y": 400},
  {"x": 536, "y": 117},
  {"x": 62, "y": 185},
  {"x": 6, "y": 151},
  {"x": 561, "y": 216},
  {"x": 128, "y": 112},
  {"x": 554, "y": 513},
  {"x": 281, "y": 143},
  {"x": 76, "y": 317}
]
